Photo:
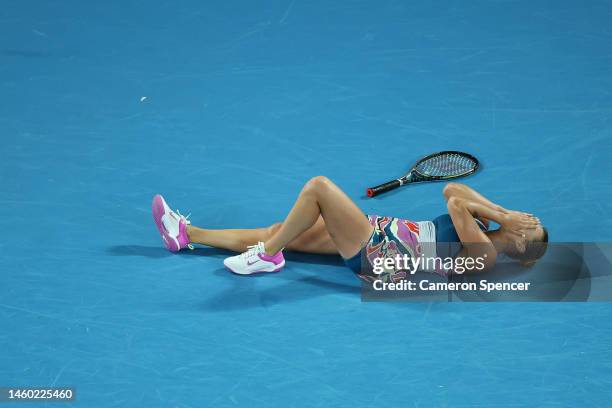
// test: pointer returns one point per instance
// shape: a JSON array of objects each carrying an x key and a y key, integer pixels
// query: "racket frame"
[{"x": 414, "y": 176}]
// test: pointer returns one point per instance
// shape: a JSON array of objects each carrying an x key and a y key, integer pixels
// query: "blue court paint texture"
[{"x": 244, "y": 102}]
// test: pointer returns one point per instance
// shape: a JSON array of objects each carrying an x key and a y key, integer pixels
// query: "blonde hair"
[{"x": 534, "y": 250}]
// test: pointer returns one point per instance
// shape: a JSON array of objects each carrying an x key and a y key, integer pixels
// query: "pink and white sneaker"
[
  {"x": 171, "y": 225},
  {"x": 255, "y": 260}
]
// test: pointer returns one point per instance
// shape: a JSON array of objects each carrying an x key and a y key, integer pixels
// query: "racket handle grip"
[{"x": 383, "y": 188}]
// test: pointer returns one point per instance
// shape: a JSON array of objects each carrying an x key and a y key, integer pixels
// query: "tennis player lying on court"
[{"x": 324, "y": 220}]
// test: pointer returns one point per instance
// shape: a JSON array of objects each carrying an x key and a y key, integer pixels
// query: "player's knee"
[
  {"x": 316, "y": 184},
  {"x": 450, "y": 189}
]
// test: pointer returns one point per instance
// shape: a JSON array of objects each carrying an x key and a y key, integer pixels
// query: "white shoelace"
[
  {"x": 187, "y": 222},
  {"x": 253, "y": 250},
  {"x": 184, "y": 217}
]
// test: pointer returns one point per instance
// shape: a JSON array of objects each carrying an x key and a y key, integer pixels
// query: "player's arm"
[
  {"x": 463, "y": 191},
  {"x": 475, "y": 242}
]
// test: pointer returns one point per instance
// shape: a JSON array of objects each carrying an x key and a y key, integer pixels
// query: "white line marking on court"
[{"x": 286, "y": 14}]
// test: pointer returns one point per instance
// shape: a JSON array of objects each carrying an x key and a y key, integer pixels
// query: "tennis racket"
[{"x": 435, "y": 167}]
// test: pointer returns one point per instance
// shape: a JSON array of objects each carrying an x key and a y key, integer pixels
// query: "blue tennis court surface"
[{"x": 227, "y": 109}]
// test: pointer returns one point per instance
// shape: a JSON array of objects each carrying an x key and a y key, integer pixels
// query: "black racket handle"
[{"x": 383, "y": 188}]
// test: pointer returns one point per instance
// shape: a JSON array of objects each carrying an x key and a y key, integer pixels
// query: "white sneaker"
[{"x": 255, "y": 260}]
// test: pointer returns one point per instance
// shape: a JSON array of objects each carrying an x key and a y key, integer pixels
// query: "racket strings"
[{"x": 445, "y": 165}]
